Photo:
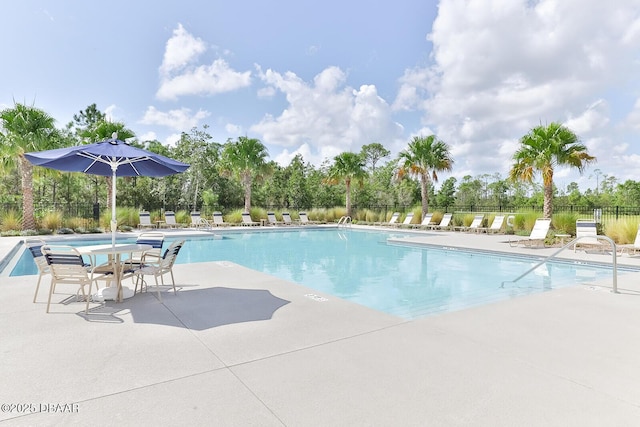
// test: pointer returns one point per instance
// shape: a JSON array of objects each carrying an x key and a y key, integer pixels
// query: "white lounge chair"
[
  {"x": 445, "y": 223},
  {"x": 272, "y": 220},
  {"x": 407, "y": 220},
  {"x": 247, "y": 220},
  {"x": 198, "y": 222},
  {"x": 218, "y": 220},
  {"x": 586, "y": 232},
  {"x": 474, "y": 226},
  {"x": 631, "y": 248},
  {"x": 286, "y": 218},
  {"x": 495, "y": 227},
  {"x": 304, "y": 219},
  {"x": 426, "y": 221},
  {"x": 538, "y": 233},
  {"x": 170, "y": 219},
  {"x": 145, "y": 220},
  {"x": 393, "y": 220}
]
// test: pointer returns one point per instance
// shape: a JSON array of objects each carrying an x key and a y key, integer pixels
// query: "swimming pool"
[{"x": 361, "y": 266}]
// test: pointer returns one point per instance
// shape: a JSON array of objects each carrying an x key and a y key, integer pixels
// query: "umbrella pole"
[{"x": 114, "y": 221}]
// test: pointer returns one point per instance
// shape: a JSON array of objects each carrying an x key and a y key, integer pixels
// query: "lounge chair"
[
  {"x": 495, "y": 227},
  {"x": 631, "y": 248},
  {"x": 286, "y": 218},
  {"x": 538, "y": 233},
  {"x": 218, "y": 220},
  {"x": 198, "y": 222},
  {"x": 426, "y": 221},
  {"x": 170, "y": 219},
  {"x": 586, "y": 232},
  {"x": 159, "y": 267},
  {"x": 272, "y": 220},
  {"x": 247, "y": 220},
  {"x": 407, "y": 220},
  {"x": 145, "y": 220},
  {"x": 304, "y": 219},
  {"x": 445, "y": 223},
  {"x": 392, "y": 221},
  {"x": 474, "y": 226}
]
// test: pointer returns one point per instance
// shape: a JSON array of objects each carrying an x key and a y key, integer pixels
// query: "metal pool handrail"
[{"x": 573, "y": 242}]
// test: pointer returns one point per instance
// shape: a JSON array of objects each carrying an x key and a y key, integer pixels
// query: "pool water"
[{"x": 360, "y": 266}]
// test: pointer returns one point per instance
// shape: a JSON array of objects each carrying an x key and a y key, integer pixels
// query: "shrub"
[
  {"x": 75, "y": 223},
  {"x": 564, "y": 223},
  {"x": 51, "y": 220},
  {"x": 622, "y": 230},
  {"x": 64, "y": 231},
  {"x": 10, "y": 220}
]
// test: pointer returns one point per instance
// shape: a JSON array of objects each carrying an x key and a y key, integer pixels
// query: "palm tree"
[
  {"x": 544, "y": 148},
  {"x": 246, "y": 159},
  {"x": 348, "y": 167},
  {"x": 24, "y": 129},
  {"x": 424, "y": 158}
]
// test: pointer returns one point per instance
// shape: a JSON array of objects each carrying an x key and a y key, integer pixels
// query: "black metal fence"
[{"x": 92, "y": 211}]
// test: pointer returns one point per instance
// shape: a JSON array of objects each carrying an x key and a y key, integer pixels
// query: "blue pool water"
[{"x": 360, "y": 266}]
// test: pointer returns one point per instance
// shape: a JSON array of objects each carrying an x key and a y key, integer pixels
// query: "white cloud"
[
  {"x": 110, "y": 113},
  {"x": 501, "y": 67},
  {"x": 326, "y": 117},
  {"x": 181, "y": 120},
  {"x": 180, "y": 74},
  {"x": 233, "y": 129},
  {"x": 181, "y": 49},
  {"x": 148, "y": 136}
]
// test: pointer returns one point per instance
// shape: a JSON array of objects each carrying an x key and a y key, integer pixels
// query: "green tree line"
[{"x": 238, "y": 173}]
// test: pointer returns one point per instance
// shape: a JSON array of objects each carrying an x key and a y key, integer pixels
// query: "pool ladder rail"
[
  {"x": 571, "y": 243},
  {"x": 344, "y": 221}
]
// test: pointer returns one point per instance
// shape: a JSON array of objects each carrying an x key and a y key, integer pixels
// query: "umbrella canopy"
[{"x": 112, "y": 157}]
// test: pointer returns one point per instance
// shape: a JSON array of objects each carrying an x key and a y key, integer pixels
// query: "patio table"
[{"x": 115, "y": 254}]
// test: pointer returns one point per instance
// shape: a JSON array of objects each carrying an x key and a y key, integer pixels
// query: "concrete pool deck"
[{"x": 211, "y": 354}]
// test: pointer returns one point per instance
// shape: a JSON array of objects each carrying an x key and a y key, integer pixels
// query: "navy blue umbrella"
[{"x": 112, "y": 157}]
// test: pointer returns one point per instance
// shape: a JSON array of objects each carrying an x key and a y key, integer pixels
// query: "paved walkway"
[{"x": 238, "y": 347}]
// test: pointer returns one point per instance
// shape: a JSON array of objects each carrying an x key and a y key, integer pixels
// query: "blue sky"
[{"x": 322, "y": 78}]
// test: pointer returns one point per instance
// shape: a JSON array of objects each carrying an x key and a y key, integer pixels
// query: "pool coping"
[{"x": 565, "y": 357}]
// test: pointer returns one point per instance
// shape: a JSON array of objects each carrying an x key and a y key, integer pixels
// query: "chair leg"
[
  {"x": 158, "y": 287},
  {"x": 35, "y": 296},
  {"x": 173, "y": 282},
  {"x": 51, "y": 286},
  {"x": 86, "y": 308}
]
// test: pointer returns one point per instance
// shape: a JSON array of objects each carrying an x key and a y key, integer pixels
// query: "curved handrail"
[
  {"x": 573, "y": 242},
  {"x": 344, "y": 221}
]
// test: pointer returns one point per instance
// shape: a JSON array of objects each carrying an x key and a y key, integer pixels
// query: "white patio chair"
[
  {"x": 68, "y": 267},
  {"x": 158, "y": 268},
  {"x": 34, "y": 245}
]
